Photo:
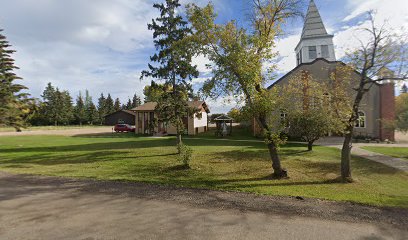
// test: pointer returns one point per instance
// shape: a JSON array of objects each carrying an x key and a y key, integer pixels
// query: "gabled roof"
[
  {"x": 126, "y": 111},
  {"x": 311, "y": 63},
  {"x": 151, "y": 106},
  {"x": 313, "y": 26}
]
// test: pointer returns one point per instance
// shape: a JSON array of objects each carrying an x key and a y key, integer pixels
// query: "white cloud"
[
  {"x": 395, "y": 18},
  {"x": 287, "y": 56}
]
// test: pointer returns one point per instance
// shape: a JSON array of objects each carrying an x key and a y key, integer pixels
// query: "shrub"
[{"x": 185, "y": 155}]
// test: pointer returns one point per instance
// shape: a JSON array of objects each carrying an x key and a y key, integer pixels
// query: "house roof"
[
  {"x": 151, "y": 106},
  {"x": 126, "y": 111}
]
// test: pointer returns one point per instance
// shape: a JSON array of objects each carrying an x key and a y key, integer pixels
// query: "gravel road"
[
  {"x": 33, "y": 207},
  {"x": 65, "y": 132}
]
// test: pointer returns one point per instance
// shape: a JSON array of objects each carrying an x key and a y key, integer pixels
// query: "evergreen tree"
[
  {"x": 79, "y": 110},
  {"x": 109, "y": 104},
  {"x": 13, "y": 102},
  {"x": 49, "y": 107},
  {"x": 92, "y": 114},
  {"x": 404, "y": 88},
  {"x": 174, "y": 60},
  {"x": 129, "y": 104},
  {"x": 67, "y": 110},
  {"x": 102, "y": 112},
  {"x": 117, "y": 105},
  {"x": 136, "y": 102}
]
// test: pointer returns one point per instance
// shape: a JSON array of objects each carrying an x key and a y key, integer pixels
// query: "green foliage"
[
  {"x": 185, "y": 154},
  {"x": 173, "y": 65},
  {"x": 136, "y": 101},
  {"x": 79, "y": 110},
  {"x": 154, "y": 91},
  {"x": 14, "y": 104},
  {"x": 109, "y": 105},
  {"x": 57, "y": 106},
  {"x": 116, "y": 105},
  {"x": 102, "y": 110},
  {"x": 401, "y": 111}
]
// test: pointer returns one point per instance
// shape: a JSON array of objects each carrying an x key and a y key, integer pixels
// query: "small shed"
[
  {"x": 121, "y": 117},
  {"x": 224, "y": 125}
]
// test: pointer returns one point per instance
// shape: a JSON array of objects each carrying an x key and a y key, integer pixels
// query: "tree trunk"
[
  {"x": 346, "y": 156},
  {"x": 278, "y": 171},
  {"x": 310, "y": 145}
]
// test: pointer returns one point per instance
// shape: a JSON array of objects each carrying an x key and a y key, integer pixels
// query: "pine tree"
[
  {"x": 117, "y": 105},
  {"x": 67, "y": 110},
  {"x": 50, "y": 108},
  {"x": 174, "y": 60},
  {"x": 92, "y": 114},
  {"x": 404, "y": 88},
  {"x": 79, "y": 110},
  {"x": 109, "y": 104},
  {"x": 129, "y": 104},
  {"x": 102, "y": 112},
  {"x": 13, "y": 102},
  {"x": 136, "y": 102}
]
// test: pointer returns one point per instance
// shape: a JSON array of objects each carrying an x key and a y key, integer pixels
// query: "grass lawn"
[
  {"x": 240, "y": 163},
  {"x": 35, "y": 128},
  {"x": 398, "y": 152}
]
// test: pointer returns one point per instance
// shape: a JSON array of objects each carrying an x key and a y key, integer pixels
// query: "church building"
[{"x": 315, "y": 55}]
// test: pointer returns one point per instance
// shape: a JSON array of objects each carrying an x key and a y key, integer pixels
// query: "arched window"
[{"x": 361, "y": 120}]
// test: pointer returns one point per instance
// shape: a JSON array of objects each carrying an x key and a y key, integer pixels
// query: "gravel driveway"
[
  {"x": 33, "y": 207},
  {"x": 66, "y": 132}
]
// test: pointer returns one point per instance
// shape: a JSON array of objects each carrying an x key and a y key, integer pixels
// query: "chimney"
[{"x": 387, "y": 108}]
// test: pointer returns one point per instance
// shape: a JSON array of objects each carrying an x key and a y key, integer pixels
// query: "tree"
[
  {"x": 66, "y": 112},
  {"x": 50, "y": 106},
  {"x": 307, "y": 106},
  {"x": 129, "y": 104},
  {"x": 401, "y": 111},
  {"x": 92, "y": 114},
  {"x": 79, "y": 110},
  {"x": 238, "y": 55},
  {"x": 116, "y": 106},
  {"x": 13, "y": 102},
  {"x": 374, "y": 60},
  {"x": 102, "y": 111},
  {"x": 174, "y": 64},
  {"x": 109, "y": 104},
  {"x": 404, "y": 88},
  {"x": 154, "y": 91},
  {"x": 136, "y": 102}
]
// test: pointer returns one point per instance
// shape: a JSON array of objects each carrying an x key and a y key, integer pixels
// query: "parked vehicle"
[{"x": 123, "y": 128}]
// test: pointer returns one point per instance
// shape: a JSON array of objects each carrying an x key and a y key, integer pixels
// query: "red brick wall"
[{"x": 387, "y": 110}]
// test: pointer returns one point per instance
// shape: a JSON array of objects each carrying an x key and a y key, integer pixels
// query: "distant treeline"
[{"x": 57, "y": 107}]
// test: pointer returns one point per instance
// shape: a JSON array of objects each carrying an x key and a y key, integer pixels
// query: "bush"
[{"x": 185, "y": 154}]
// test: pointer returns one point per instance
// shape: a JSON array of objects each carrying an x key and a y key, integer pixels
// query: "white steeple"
[{"x": 315, "y": 42}]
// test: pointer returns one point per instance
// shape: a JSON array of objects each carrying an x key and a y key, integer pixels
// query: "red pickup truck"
[{"x": 123, "y": 128}]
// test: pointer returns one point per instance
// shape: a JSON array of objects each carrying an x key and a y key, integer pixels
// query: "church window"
[
  {"x": 325, "y": 51},
  {"x": 361, "y": 120},
  {"x": 312, "y": 52}
]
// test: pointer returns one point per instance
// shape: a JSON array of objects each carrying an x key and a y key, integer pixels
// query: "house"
[
  {"x": 122, "y": 116},
  {"x": 146, "y": 115},
  {"x": 315, "y": 56}
]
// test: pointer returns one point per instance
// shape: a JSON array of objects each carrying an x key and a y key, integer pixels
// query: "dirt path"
[
  {"x": 57, "y": 208},
  {"x": 65, "y": 132}
]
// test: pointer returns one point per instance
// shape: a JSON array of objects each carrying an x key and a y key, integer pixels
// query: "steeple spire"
[
  {"x": 315, "y": 41},
  {"x": 313, "y": 26}
]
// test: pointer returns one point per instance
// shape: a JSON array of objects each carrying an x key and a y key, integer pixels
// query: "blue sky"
[{"x": 103, "y": 45}]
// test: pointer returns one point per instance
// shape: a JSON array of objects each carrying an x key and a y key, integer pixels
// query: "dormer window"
[{"x": 312, "y": 52}]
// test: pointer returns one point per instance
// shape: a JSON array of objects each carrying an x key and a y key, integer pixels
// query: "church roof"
[{"x": 313, "y": 26}]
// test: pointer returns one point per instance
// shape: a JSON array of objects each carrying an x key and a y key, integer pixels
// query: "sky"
[{"x": 103, "y": 45}]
